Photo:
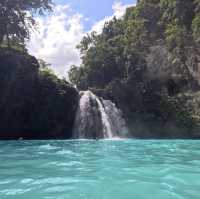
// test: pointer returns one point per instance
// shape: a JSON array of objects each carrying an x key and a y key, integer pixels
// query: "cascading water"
[{"x": 98, "y": 118}]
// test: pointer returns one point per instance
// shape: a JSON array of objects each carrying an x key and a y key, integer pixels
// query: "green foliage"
[
  {"x": 121, "y": 48},
  {"x": 196, "y": 27},
  {"x": 77, "y": 77},
  {"x": 34, "y": 102},
  {"x": 116, "y": 61},
  {"x": 16, "y": 18}
]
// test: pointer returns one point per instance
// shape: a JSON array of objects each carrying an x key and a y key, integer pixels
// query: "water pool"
[{"x": 107, "y": 169}]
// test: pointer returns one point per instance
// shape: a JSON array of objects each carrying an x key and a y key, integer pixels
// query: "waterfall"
[{"x": 97, "y": 118}]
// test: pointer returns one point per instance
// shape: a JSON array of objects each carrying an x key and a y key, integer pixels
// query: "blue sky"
[
  {"x": 94, "y": 10},
  {"x": 59, "y": 33}
]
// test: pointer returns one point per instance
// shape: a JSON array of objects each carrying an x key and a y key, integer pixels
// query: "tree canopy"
[
  {"x": 17, "y": 18},
  {"x": 144, "y": 61},
  {"x": 120, "y": 50}
]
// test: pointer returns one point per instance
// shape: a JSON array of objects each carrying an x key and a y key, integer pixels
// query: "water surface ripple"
[{"x": 124, "y": 169}]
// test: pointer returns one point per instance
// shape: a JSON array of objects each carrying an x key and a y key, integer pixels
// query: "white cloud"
[
  {"x": 59, "y": 34},
  {"x": 56, "y": 40},
  {"x": 118, "y": 11}
]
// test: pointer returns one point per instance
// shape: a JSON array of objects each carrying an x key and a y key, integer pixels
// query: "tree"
[
  {"x": 120, "y": 51},
  {"x": 17, "y": 18},
  {"x": 196, "y": 22}
]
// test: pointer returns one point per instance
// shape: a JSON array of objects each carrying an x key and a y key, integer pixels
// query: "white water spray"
[{"x": 98, "y": 118}]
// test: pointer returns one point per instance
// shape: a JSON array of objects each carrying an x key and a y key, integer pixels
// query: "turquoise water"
[{"x": 126, "y": 169}]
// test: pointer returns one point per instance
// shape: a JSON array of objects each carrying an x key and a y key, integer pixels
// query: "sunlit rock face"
[{"x": 97, "y": 118}]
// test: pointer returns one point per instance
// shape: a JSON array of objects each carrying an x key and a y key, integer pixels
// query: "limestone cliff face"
[
  {"x": 164, "y": 105},
  {"x": 162, "y": 66}
]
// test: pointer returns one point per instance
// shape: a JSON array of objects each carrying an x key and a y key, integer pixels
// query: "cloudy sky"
[{"x": 59, "y": 33}]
